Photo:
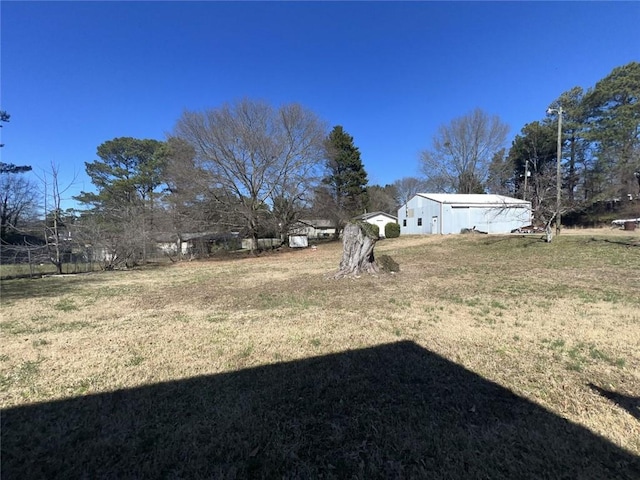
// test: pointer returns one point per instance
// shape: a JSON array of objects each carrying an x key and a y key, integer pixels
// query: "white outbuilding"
[
  {"x": 444, "y": 213},
  {"x": 378, "y": 218}
]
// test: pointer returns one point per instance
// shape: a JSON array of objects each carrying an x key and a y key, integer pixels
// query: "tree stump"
[{"x": 357, "y": 251}]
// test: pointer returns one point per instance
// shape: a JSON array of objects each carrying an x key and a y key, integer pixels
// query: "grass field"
[{"x": 484, "y": 357}]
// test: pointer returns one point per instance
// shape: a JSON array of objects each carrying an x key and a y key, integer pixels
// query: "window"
[
  {"x": 419, "y": 222},
  {"x": 404, "y": 222}
]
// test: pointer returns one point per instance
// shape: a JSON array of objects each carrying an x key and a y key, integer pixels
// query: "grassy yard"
[{"x": 484, "y": 357}]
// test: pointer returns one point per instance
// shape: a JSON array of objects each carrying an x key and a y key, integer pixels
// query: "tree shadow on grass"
[
  {"x": 629, "y": 403},
  {"x": 520, "y": 240},
  {"x": 50, "y": 285},
  {"x": 629, "y": 242},
  {"x": 392, "y": 411}
]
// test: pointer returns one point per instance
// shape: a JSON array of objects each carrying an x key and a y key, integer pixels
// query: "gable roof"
[
  {"x": 473, "y": 199},
  {"x": 367, "y": 216},
  {"x": 317, "y": 223}
]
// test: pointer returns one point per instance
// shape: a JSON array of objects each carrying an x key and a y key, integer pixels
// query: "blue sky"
[{"x": 76, "y": 74}]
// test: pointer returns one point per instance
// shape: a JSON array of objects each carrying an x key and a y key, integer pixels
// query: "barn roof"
[{"x": 474, "y": 199}]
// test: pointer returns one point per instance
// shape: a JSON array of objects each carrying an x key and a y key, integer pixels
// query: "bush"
[
  {"x": 373, "y": 230},
  {"x": 392, "y": 230}
]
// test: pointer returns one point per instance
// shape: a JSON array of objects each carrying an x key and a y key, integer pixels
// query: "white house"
[
  {"x": 444, "y": 213},
  {"x": 378, "y": 218},
  {"x": 314, "y": 228}
]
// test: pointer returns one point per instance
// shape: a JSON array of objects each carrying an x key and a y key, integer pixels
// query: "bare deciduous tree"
[
  {"x": 57, "y": 236},
  {"x": 18, "y": 199},
  {"x": 407, "y": 188},
  {"x": 383, "y": 199},
  {"x": 248, "y": 154},
  {"x": 461, "y": 152}
]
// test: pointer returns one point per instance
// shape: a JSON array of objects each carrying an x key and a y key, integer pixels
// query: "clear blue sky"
[{"x": 76, "y": 74}]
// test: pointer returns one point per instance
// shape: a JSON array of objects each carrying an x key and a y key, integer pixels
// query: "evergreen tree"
[
  {"x": 575, "y": 145},
  {"x": 533, "y": 156},
  {"x": 613, "y": 111},
  {"x": 500, "y": 179},
  {"x": 383, "y": 199},
  {"x": 126, "y": 176},
  {"x": 346, "y": 179},
  {"x": 4, "y": 117}
]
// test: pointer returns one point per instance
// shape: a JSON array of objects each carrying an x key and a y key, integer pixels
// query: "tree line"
[
  {"x": 246, "y": 169},
  {"x": 250, "y": 169}
]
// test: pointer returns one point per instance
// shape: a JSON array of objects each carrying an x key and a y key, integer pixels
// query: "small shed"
[
  {"x": 445, "y": 213},
  {"x": 378, "y": 218},
  {"x": 298, "y": 241}
]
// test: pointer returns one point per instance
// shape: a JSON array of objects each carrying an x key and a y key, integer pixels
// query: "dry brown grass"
[{"x": 557, "y": 324}]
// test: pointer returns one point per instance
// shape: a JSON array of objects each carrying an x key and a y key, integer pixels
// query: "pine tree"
[
  {"x": 346, "y": 180},
  {"x": 613, "y": 111},
  {"x": 126, "y": 178}
]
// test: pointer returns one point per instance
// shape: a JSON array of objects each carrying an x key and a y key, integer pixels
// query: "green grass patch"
[
  {"x": 402, "y": 303},
  {"x": 217, "y": 317},
  {"x": 579, "y": 355},
  {"x": 16, "y": 327},
  {"x": 181, "y": 317},
  {"x": 271, "y": 301},
  {"x": 135, "y": 360},
  {"x": 66, "y": 305},
  {"x": 497, "y": 304},
  {"x": 26, "y": 373}
]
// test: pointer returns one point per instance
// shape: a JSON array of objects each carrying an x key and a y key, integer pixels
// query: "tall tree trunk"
[{"x": 357, "y": 252}]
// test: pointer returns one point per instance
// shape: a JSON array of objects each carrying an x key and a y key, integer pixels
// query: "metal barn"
[{"x": 445, "y": 213}]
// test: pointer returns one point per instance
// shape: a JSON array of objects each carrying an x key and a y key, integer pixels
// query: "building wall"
[
  {"x": 417, "y": 216},
  {"x": 488, "y": 219},
  {"x": 381, "y": 221},
  {"x": 313, "y": 232}
]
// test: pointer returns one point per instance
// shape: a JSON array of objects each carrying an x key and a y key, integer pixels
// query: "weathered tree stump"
[{"x": 357, "y": 251}]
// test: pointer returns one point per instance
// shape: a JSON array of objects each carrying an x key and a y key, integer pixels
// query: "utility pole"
[
  {"x": 559, "y": 111},
  {"x": 526, "y": 178}
]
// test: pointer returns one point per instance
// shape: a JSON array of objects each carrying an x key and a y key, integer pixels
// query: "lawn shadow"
[
  {"x": 392, "y": 411},
  {"x": 50, "y": 285},
  {"x": 629, "y": 243},
  {"x": 629, "y": 403},
  {"x": 522, "y": 240}
]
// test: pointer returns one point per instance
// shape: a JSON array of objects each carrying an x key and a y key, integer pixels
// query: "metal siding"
[
  {"x": 502, "y": 220},
  {"x": 459, "y": 218},
  {"x": 430, "y": 209},
  {"x": 422, "y": 208},
  {"x": 490, "y": 218}
]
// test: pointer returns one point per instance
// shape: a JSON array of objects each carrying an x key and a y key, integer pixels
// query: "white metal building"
[{"x": 445, "y": 213}]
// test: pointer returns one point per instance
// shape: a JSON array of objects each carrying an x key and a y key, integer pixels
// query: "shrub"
[
  {"x": 392, "y": 230},
  {"x": 371, "y": 230}
]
